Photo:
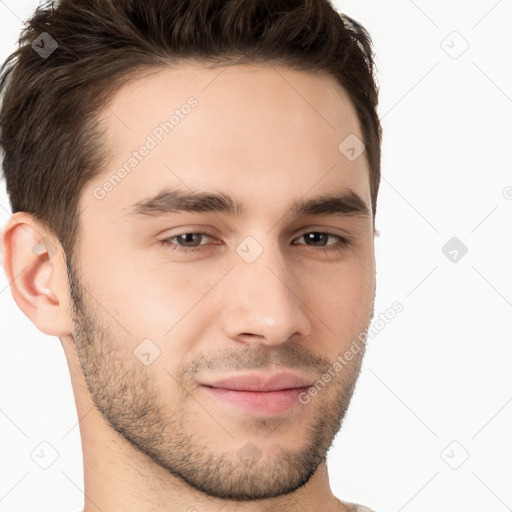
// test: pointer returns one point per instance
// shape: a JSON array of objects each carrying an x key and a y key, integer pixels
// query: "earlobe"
[{"x": 34, "y": 265}]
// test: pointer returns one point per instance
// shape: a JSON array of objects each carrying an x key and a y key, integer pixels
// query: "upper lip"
[{"x": 261, "y": 382}]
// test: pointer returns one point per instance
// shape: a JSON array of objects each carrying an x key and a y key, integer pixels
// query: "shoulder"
[
  {"x": 361, "y": 508},
  {"x": 355, "y": 507}
]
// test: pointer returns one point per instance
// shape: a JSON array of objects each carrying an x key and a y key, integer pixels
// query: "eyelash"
[{"x": 330, "y": 248}]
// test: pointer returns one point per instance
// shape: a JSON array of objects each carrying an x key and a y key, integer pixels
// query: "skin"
[{"x": 152, "y": 438}]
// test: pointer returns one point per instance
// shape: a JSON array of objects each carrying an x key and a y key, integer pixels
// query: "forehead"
[{"x": 261, "y": 132}]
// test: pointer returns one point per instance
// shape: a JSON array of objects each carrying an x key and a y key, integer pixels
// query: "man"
[{"x": 193, "y": 187}]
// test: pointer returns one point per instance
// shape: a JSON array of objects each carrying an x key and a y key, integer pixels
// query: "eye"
[
  {"x": 314, "y": 236},
  {"x": 189, "y": 239},
  {"x": 191, "y": 242}
]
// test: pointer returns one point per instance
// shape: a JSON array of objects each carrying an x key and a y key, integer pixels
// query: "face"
[{"x": 173, "y": 294}]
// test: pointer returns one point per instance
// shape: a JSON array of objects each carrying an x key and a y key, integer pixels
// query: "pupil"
[
  {"x": 186, "y": 237},
  {"x": 314, "y": 235}
]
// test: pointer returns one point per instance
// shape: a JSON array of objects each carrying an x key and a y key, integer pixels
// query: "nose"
[{"x": 263, "y": 303}]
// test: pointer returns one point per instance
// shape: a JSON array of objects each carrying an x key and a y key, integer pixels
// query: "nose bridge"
[{"x": 263, "y": 302}]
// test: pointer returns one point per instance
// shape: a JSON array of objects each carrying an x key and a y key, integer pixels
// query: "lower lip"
[{"x": 262, "y": 402}]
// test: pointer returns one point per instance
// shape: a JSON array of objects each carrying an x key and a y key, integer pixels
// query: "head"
[{"x": 194, "y": 189}]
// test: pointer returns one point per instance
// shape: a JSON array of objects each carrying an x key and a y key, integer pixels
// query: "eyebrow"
[{"x": 168, "y": 201}]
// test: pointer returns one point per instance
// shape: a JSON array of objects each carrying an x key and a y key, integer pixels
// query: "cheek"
[
  {"x": 162, "y": 301},
  {"x": 342, "y": 301}
]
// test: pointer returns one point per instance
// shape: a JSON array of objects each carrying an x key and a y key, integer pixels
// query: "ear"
[{"x": 35, "y": 265}]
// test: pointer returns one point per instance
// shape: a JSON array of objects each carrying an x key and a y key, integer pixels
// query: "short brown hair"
[{"x": 51, "y": 143}]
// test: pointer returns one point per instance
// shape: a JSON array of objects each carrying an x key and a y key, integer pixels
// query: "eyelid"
[
  {"x": 345, "y": 241},
  {"x": 308, "y": 229},
  {"x": 323, "y": 232},
  {"x": 331, "y": 230}
]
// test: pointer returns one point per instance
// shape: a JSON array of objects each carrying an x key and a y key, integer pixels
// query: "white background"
[{"x": 436, "y": 385}]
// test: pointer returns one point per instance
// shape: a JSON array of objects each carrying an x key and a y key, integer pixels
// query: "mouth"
[
  {"x": 260, "y": 393},
  {"x": 260, "y": 402}
]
